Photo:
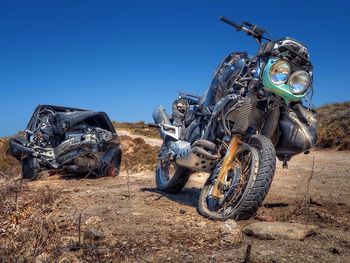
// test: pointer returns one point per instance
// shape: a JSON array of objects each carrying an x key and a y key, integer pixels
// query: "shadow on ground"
[
  {"x": 71, "y": 176},
  {"x": 188, "y": 196}
]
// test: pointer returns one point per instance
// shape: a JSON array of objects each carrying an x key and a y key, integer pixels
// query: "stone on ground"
[
  {"x": 93, "y": 234},
  {"x": 93, "y": 221},
  {"x": 277, "y": 230},
  {"x": 42, "y": 258},
  {"x": 231, "y": 232}
]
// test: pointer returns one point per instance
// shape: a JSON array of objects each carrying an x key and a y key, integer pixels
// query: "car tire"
[{"x": 30, "y": 168}]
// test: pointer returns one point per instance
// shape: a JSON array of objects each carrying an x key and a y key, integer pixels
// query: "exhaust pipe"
[{"x": 200, "y": 157}]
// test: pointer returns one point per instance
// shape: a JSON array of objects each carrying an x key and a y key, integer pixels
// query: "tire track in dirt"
[{"x": 150, "y": 141}]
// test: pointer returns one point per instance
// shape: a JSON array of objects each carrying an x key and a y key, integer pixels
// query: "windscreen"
[{"x": 226, "y": 73}]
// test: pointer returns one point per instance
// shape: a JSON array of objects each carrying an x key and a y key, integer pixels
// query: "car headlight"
[
  {"x": 299, "y": 82},
  {"x": 279, "y": 72}
]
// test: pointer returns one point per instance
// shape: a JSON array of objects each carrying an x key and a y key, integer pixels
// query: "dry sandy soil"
[{"x": 141, "y": 224}]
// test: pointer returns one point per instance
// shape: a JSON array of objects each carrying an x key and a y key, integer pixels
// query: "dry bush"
[
  {"x": 138, "y": 155},
  {"x": 138, "y": 128},
  {"x": 27, "y": 225},
  {"x": 31, "y": 232},
  {"x": 9, "y": 166},
  {"x": 333, "y": 126},
  {"x": 9, "y": 188}
]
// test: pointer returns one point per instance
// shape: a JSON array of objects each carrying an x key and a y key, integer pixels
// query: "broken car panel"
[{"x": 70, "y": 140}]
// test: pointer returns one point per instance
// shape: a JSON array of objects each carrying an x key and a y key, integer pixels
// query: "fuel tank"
[{"x": 231, "y": 67}]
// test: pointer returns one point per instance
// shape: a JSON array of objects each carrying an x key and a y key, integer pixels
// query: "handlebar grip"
[
  {"x": 247, "y": 23},
  {"x": 231, "y": 23}
]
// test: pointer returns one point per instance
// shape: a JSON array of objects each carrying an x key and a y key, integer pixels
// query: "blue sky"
[{"x": 126, "y": 57}]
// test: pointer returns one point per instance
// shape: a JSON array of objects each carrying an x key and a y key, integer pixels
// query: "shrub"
[
  {"x": 9, "y": 166},
  {"x": 333, "y": 126},
  {"x": 138, "y": 128},
  {"x": 138, "y": 155}
]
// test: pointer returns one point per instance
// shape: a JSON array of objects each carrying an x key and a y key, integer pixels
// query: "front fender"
[{"x": 18, "y": 148}]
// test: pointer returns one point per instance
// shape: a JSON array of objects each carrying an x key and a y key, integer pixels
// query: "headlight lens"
[
  {"x": 279, "y": 72},
  {"x": 299, "y": 81}
]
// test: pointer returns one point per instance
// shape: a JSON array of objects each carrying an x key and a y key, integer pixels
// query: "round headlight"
[
  {"x": 279, "y": 72},
  {"x": 299, "y": 81}
]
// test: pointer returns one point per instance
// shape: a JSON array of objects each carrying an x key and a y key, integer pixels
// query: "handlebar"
[
  {"x": 231, "y": 23},
  {"x": 251, "y": 30}
]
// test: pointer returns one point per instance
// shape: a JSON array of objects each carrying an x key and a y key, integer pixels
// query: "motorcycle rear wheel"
[
  {"x": 262, "y": 165},
  {"x": 170, "y": 177}
]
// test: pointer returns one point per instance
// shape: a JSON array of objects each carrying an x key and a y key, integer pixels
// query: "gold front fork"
[{"x": 227, "y": 165}]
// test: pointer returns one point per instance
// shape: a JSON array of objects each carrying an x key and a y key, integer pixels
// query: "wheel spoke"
[{"x": 237, "y": 180}]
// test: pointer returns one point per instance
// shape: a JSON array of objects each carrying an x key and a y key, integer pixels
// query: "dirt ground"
[{"x": 141, "y": 224}]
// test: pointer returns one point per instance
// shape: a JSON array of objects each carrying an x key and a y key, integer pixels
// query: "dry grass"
[
  {"x": 27, "y": 225},
  {"x": 32, "y": 230},
  {"x": 333, "y": 126},
  {"x": 138, "y": 156},
  {"x": 138, "y": 128},
  {"x": 9, "y": 166}
]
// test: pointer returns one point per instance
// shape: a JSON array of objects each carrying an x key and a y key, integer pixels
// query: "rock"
[
  {"x": 183, "y": 211},
  {"x": 335, "y": 251},
  {"x": 192, "y": 248},
  {"x": 68, "y": 259},
  {"x": 137, "y": 214},
  {"x": 230, "y": 224},
  {"x": 93, "y": 234},
  {"x": 201, "y": 224},
  {"x": 230, "y": 232},
  {"x": 44, "y": 175},
  {"x": 266, "y": 218},
  {"x": 43, "y": 258},
  {"x": 234, "y": 237},
  {"x": 163, "y": 241},
  {"x": 68, "y": 241},
  {"x": 275, "y": 230},
  {"x": 317, "y": 202},
  {"x": 93, "y": 221}
]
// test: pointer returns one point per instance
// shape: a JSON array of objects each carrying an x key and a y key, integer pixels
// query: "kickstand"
[{"x": 285, "y": 164}]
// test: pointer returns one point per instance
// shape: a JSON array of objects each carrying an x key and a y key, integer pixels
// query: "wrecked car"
[{"x": 69, "y": 140}]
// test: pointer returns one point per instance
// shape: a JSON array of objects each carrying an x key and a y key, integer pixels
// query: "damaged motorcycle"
[
  {"x": 69, "y": 140},
  {"x": 252, "y": 112}
]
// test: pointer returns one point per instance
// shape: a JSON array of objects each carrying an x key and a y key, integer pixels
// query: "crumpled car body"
[{"x": 70, "y": 140}]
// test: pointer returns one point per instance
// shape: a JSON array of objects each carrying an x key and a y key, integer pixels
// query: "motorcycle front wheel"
[{"x": 246, "y": 186}]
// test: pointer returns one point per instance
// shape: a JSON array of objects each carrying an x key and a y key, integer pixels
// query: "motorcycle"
[{"x": 252, "y": 112}]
